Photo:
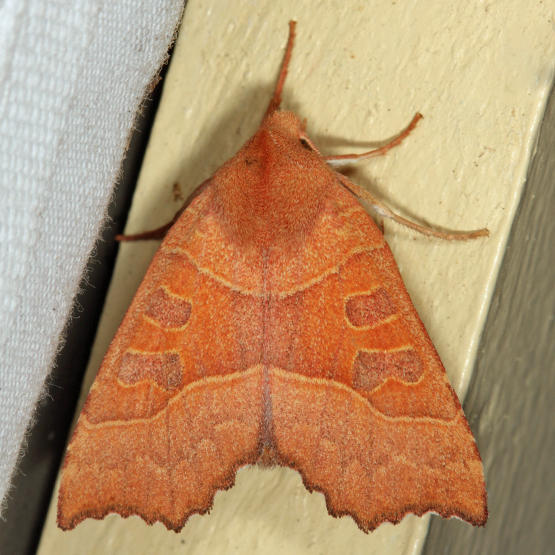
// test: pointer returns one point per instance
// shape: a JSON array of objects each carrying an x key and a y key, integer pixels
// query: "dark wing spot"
[
  {"x": 305, "y": 144},
  {"x": 370, "y": 308},
  {"x": 162, "y": 368},
  {"x": 371, "y": 369},
  {"x": 170, "y": 311}
]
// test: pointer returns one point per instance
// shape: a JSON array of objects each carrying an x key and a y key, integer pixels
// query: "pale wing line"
[
  {"x": 406, "y": 347},
  {"x": 170, "y": 293},
  {"x": 220, "y": 379},
  {"x": 398, "y": 380},
  {"x": 133, "y": 351},
  {"x": 392, "y": 378},
  {"x": 385, "y": 321},
  {"x": 330, "y": 271},
  {"x": 338, "y": 385},
  {"x": 288, "y": 375},
  {"x": 155, "y": 323},
  {"x": 283, "y": 294}
]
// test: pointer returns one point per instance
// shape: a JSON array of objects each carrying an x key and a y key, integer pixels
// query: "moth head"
[
  {"x": 284, "y": 123},
  {"x": 289, "y": 127}
]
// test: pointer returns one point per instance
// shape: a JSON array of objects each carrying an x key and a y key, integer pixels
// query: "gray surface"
[{"x": 510, "y": 402}]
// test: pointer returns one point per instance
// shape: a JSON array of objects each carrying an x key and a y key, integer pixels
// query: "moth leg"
[
  {"x": 160, "y": 232},
  {"x": 340, "y": 159},
  {"x": 386, "y": 212}
]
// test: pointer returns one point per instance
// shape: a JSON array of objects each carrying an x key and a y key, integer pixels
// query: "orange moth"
[{"x": 273, "y": 326}]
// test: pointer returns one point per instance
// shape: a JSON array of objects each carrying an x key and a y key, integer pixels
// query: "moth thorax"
[{"x": 270, "y": 191}]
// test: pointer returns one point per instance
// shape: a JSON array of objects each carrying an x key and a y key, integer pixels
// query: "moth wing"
[
  {"x": 170, "y": 416},
  {"x": 361, "y": 404}
]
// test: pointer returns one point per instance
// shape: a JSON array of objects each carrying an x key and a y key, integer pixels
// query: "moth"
[{"x": 273, "y": 326}]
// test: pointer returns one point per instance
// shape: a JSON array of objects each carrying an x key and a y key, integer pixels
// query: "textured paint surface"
[{"x": 367, "y": 82}]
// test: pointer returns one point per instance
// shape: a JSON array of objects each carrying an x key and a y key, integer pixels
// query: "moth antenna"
[
  {"x": 276, "y": 98},
  {"x": 341, "y": 159},
  {"x": 386, "y": 212}
]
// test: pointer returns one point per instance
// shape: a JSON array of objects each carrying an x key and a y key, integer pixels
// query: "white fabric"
[{"x": 72, "y": 76}]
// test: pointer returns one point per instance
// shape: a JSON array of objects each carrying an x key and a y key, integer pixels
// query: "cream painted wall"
[{"x": 478, "y": 72}]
